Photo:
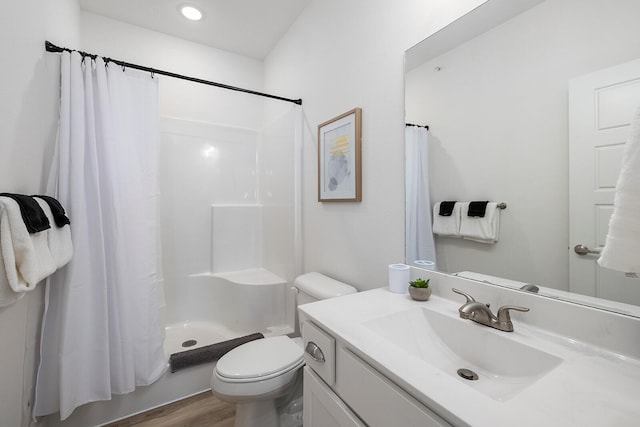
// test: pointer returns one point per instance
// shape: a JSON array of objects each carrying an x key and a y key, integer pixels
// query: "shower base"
[
  {"x": 189, "y": 335},
  {"x": 171, "y": 387}
]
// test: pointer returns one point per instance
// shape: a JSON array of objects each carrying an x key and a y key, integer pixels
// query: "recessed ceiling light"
[{"x": 190, "y": 12}]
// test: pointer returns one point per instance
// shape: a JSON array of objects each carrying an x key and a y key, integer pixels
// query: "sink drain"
[
  {"x": 189, "y": 343},
  {"x": 467, "y": 374}
]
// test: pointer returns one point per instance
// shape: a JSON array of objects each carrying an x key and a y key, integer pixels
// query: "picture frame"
[{"x": 340, "y": 158}]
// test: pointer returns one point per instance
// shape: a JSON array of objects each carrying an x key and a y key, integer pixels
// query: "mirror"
[{"x": 493, "y": 87}]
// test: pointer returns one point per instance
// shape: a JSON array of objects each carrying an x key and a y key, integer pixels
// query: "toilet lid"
[{"x": 260, "y": 358}]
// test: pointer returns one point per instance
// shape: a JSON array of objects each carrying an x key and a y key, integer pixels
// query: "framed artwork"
[{"x": 339, "y": 158}]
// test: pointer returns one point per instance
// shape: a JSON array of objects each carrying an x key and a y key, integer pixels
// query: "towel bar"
[{"x": 502, "y": 206}]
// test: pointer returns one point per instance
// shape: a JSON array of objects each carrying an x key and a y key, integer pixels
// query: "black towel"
[
  {"x": 477, "y": 209},
  {"x": 32, "y": 214},
  {"x": 446, "y": 208},
  {"x": 59, "y": 215},
  {"x": 208, "y": 353}
]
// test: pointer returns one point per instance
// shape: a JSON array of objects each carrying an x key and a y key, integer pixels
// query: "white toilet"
[{"x": 264, "y": 375}]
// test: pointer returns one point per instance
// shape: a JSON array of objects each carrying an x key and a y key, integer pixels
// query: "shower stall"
[
  {"x": 230, "y": 227},
  {"x": 229, "y": 215}
]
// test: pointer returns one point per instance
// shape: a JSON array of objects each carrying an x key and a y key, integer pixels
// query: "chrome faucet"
[{"x": 481, "y": 313}]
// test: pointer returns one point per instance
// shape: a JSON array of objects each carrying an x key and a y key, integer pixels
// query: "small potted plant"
[{"x": 419, "y": 289}]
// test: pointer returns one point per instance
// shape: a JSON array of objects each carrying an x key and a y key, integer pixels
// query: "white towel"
[
  {"x": 58, "y": 238},
  {"x": 446, "y": 225},
  {"x": 7, "y": 295},
  {"x": 27, "y": 259},
  {"x": 622, "y": 246},
  {"x": 480, "y": 229}
]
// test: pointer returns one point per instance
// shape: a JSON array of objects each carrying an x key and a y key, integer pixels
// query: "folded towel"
[
  {"x": 477, "y": 209},
  {"x": 622, "y": 246},
  {"x": 27, "y": 259},
  {"x": 446, "y": 225},
  {"x": 59, "y": 215},
  {"x": 59, "y": 237},
  {"x": 34, "y": 218},
  {"x": 481, "y": 229},
  {"x": 446, "y": 208}
]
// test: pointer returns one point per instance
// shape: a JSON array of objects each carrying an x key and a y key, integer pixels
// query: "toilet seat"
[{"x": 260, "y": 360}]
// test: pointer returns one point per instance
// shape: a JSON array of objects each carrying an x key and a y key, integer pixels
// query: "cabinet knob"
[{"x": 314, "y": 351}]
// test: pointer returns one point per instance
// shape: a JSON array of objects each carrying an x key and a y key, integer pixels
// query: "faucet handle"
[
  {"x": 503, "y": 312},
  {"x": 467, "y": 296},
  {"x": 504, "y": 319}
]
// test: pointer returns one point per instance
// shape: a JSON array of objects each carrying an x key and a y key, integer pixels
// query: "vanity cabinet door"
[
  {"x": 376, "y": 400},
  {"x": 322, "y": 408}
]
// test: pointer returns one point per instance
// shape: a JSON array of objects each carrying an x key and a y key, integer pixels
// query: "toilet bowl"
[
  {"x": 264, "y": 376},
  {"x": 261, "y": 369}
]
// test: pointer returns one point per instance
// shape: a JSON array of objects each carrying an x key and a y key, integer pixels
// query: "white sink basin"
[{"x": 503, "y": 365}]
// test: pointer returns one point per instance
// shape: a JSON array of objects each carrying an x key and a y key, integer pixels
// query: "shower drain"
[
  {"x": 189, "y": 343},
  {"x": 467, "y": 374}
]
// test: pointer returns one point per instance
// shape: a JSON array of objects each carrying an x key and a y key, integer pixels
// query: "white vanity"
[
  {"x": 345, "y": 390},
  {"x": 392, "y": 361}
]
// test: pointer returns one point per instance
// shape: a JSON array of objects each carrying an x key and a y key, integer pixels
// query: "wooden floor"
[{"x": 201, "y": 410}]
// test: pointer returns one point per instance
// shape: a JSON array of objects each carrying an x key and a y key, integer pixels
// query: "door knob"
[{"x": 584, "y": 250}]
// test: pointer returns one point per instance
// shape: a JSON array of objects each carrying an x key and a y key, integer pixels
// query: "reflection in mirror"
[
  {"x": 418, "y": 240},
  {"x": 498, "y": 109}
]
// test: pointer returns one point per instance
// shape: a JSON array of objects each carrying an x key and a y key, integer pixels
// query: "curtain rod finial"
[{"x": 50, "y": 47}]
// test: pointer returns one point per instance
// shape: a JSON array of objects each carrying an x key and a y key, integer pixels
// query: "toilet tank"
[
  {"x": 315, "y": 286},
  {"x": 312, "y": 287}
]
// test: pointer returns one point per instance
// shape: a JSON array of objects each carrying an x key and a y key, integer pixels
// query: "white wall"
[
  {"x": 178, "y": 98},
  {"x": 498, "y": 116},
  {"x": 340, "y": 55},
  {"x": 28, "y": 119}
]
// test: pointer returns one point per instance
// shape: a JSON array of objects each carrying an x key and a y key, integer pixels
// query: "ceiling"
[{"x": 247, "y": 27}]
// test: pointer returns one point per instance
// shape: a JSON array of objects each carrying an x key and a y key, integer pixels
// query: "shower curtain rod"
[
  {"x": 417, "y": 126},
  {"x": 50, "y": 47}
]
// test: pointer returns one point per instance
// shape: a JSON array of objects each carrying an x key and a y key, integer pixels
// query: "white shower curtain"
[
  {"x": 101, "y": 332},
  {"x": 419, "y": 235}
]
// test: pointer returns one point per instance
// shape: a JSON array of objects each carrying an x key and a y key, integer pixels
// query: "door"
[{"x": 601, "y": 105}]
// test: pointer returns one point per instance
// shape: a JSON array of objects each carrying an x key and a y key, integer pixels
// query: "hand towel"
[
  {"x": 34, "y": 218},
  {"x": 27, "y": 259},
  {"x": 622, "y": 246},
  {"x": 446, "y": 208},
  {"x": 480, "y": 229},
  {"x": 446, "y": 225},
  {"x": 58, "y": 237},
  {"x": 477, "y": 209},
  {"x": 59, "y": 215}
]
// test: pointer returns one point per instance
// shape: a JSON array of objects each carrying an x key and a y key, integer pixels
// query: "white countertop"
[{"x": 592, "y": 386}]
